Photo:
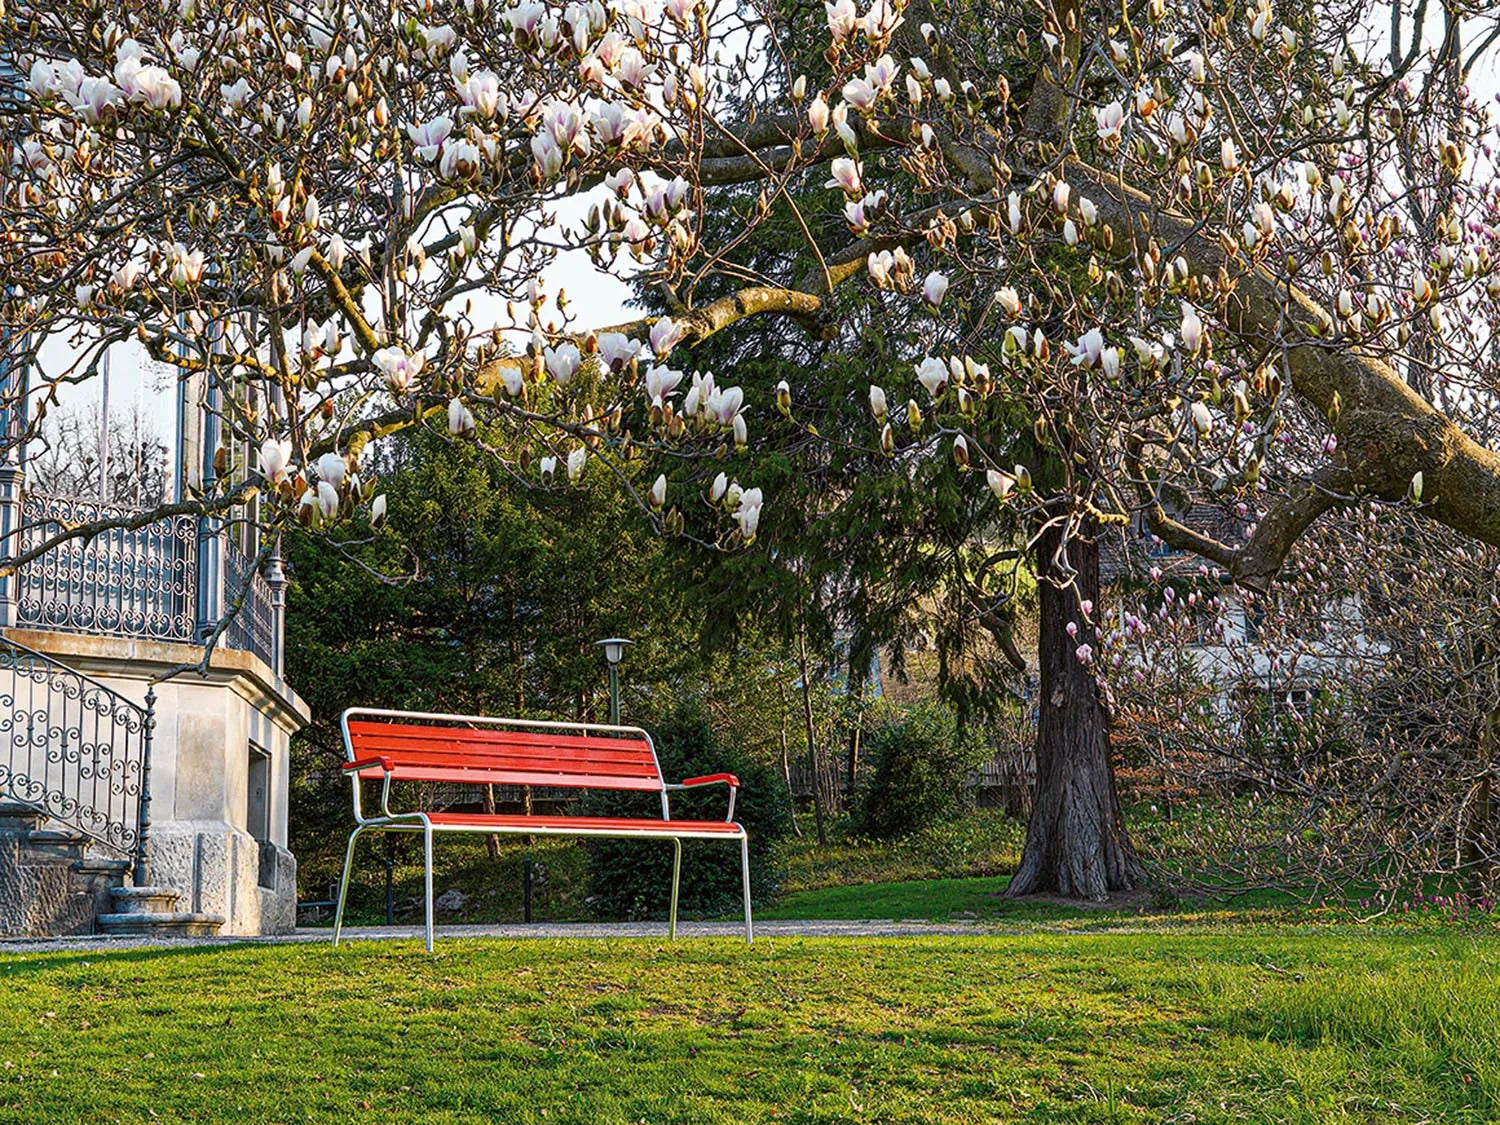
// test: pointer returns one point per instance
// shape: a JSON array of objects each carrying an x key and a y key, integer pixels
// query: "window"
[{"x": 258, "y": 794}]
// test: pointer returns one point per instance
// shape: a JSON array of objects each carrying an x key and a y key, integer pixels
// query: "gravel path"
[{"x": 649, "y": 930}]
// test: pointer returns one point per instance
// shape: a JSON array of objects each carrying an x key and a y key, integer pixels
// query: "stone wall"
[{"x": 200, "y": 841}]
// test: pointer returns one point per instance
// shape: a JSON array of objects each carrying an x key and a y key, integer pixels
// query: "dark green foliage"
[
  {"x": 633, "y": 878},
  {"x": 920, "y": 767}
]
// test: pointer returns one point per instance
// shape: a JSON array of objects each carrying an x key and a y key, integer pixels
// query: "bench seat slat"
[
  {"x": 500, "y": 760},
  {"x": 410, "y": 732},
  {"x": 582, "y": 823},
  {"x": 480, "y": 776},
  {"x": 501, "y": 754}
]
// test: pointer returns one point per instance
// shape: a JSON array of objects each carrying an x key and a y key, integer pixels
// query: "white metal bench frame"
[{"x": 389, "y": 821}]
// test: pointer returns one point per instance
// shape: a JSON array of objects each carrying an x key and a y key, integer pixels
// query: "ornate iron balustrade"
[
  {"x": 139, "y": 582},
  {"x": 131, "y": 583},
  {"x": 76, "y": 749},
  {"x": 253, "y": 628}
]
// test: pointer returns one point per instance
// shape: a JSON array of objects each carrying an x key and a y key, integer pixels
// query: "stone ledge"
[
  {"x": 145, "y": 658},
  {"x": 175, "y": 924}
]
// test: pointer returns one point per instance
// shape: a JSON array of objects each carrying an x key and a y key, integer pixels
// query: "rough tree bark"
[{"x": 1076, "y": 844}]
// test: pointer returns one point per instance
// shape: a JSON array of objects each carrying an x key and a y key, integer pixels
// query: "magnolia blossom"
[
  {"x": 932, "y": 373},
  {"x": 1192, "y": 330},
  {"x": 1001, "y": 483},
  {"x": 817, "y": 115},
  {"x": 460, "y": 420},
  {"x": 1202, "y": 420},
  {"x": 934, "y": 288},
  {"x": 328, "y": 499},
  {"x": 660, "y": 382},
  {"x": 377, "y": 510},
  {"x": 718, "y": 488},
  {"x": 877, "y": 402},
  {"x": 398, "y": 367},
  {"x": 842, "y": 17},
  {"x": 548, "y": 467},
  {"x": 562, "y": 362},
  {"x": 1010, "y": 300},
  {"x": 665, "y": 335},
  {"x": 1089, "y": 348},
  {"x": 1108, "y": 120},
  {"x": 576, "y": 460},
  {"x": 747, "y": 514},
  {"x": 846, "y": 175},
  {"x": 331, "y": 467},
  {"x": 616, "y": 350},
  {"x": 274, "y": 456},
  {"x": 659, "y": 492}
]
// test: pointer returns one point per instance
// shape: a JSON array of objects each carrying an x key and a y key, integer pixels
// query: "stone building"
[{"x": 136, "y": 793}]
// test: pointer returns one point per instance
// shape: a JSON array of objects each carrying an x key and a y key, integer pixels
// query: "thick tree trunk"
[{"x": 1075, "y": 844}]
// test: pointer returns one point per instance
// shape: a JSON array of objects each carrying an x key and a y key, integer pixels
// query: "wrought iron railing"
[
  {"x": 253, "y": 628},
  {"x": 76, "y": 749},
  {"x": 140, "y": 582},
  {"x": 136, "y": 582}
]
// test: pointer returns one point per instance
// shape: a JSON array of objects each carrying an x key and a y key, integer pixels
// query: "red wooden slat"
[
  {"x": 376, "y": 746},
  {"x": 496, "y": 735},
  {"x": 650, "y": 784},
  {"x": 598, "y": 823},
  {"x": 502, "y": 765}
]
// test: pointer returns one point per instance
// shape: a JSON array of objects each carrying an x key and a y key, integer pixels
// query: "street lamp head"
[{"x": 614, "y": 648}]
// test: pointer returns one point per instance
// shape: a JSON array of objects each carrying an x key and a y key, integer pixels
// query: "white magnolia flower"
[
  {"x": 846, "y": 176},
  {"x": 747, "y": 514},
  {"x": 660, "y": 382},
  {"x": 274, "y": 456},
  {"x": 331, "y": 467},
  {"x": 665, "y": 335},
  {"x": 548, "y": 467},
  {"x": 1010, "y": 301},
  {"x": 1001, "y": 483},
  {"x": 934, "y": 288},
  {"x": 576, "y": 460},
  {"x": 1108, "y": 120},
  {"x": 877, "y": 402},
  {"x": 1202, "y": 420},
  {"x": 616, "y": 350},
  {"x": 328, "y": 499},
  {"x": 659, "y": 492},
  {"x": 718, "y": 488},
  {"x": 1087, "y": 351},
  {"x": 460, "y": 420},
  {"x": 1192, "y": 330},
  {"x": 932, "y": 373},
  {"x": 562, "y": 362},
  {"x": 377, "y": 510},
  {"x": 398, "y": 367}
]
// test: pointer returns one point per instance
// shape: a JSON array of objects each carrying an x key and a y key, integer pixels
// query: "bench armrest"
[
  {"x": 709, "y": 779},
  {"x": 714, "y": 779},
  {"x": 368, "y": 763}
]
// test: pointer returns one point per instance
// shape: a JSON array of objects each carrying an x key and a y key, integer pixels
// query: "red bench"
[{"x": 388, "y": 746}]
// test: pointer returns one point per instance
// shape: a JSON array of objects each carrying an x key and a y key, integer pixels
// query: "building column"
[{"x": 13, "y": 391}]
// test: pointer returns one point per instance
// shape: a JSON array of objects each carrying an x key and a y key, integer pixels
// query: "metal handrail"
[{"x": 75, "y": 749}]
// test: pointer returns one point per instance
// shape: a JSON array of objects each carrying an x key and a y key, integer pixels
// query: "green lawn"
[
  {"x": 940, "y": 900},
  {"x": 1245, "y": 1023}
]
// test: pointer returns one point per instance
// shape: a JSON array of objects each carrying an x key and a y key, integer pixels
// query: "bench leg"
[
  {"x": 745, "y": 881},
  {"x": 427, "y": 842},
  {"x": 338, "y": 918},
  {"x": 676, "y": 882}
]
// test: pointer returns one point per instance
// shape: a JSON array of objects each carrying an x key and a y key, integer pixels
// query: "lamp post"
[{"x": 614, "y": 652}]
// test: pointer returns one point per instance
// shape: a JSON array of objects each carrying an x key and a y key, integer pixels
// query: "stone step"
[
  {"x": 144, "y": 900},
  {"x": 160, "y": 924},
  {"x": 19, "y": 818},
  {"x": 55, "y": 843}
]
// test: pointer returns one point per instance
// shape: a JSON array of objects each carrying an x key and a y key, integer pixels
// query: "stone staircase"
[{"x": 56, "y": 881}]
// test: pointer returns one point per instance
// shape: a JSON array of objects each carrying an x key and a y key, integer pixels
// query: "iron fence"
[{"x": 75, "y": 748}]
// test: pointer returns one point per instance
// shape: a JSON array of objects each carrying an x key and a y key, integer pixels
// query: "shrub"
[
  {"x": 920, "y": 772},
  {"x": 633, "y": 878}
]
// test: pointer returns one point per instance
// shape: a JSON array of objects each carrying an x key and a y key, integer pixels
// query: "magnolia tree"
[{"x": 1211, "y": 254}]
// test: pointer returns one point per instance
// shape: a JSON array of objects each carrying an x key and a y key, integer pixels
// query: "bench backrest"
[{"x": 472, "y": 749}]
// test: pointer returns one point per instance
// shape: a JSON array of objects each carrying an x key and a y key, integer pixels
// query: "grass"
[
  {"x": 1238, "y": 1024},
  {"x": 938, "y": 900}
]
